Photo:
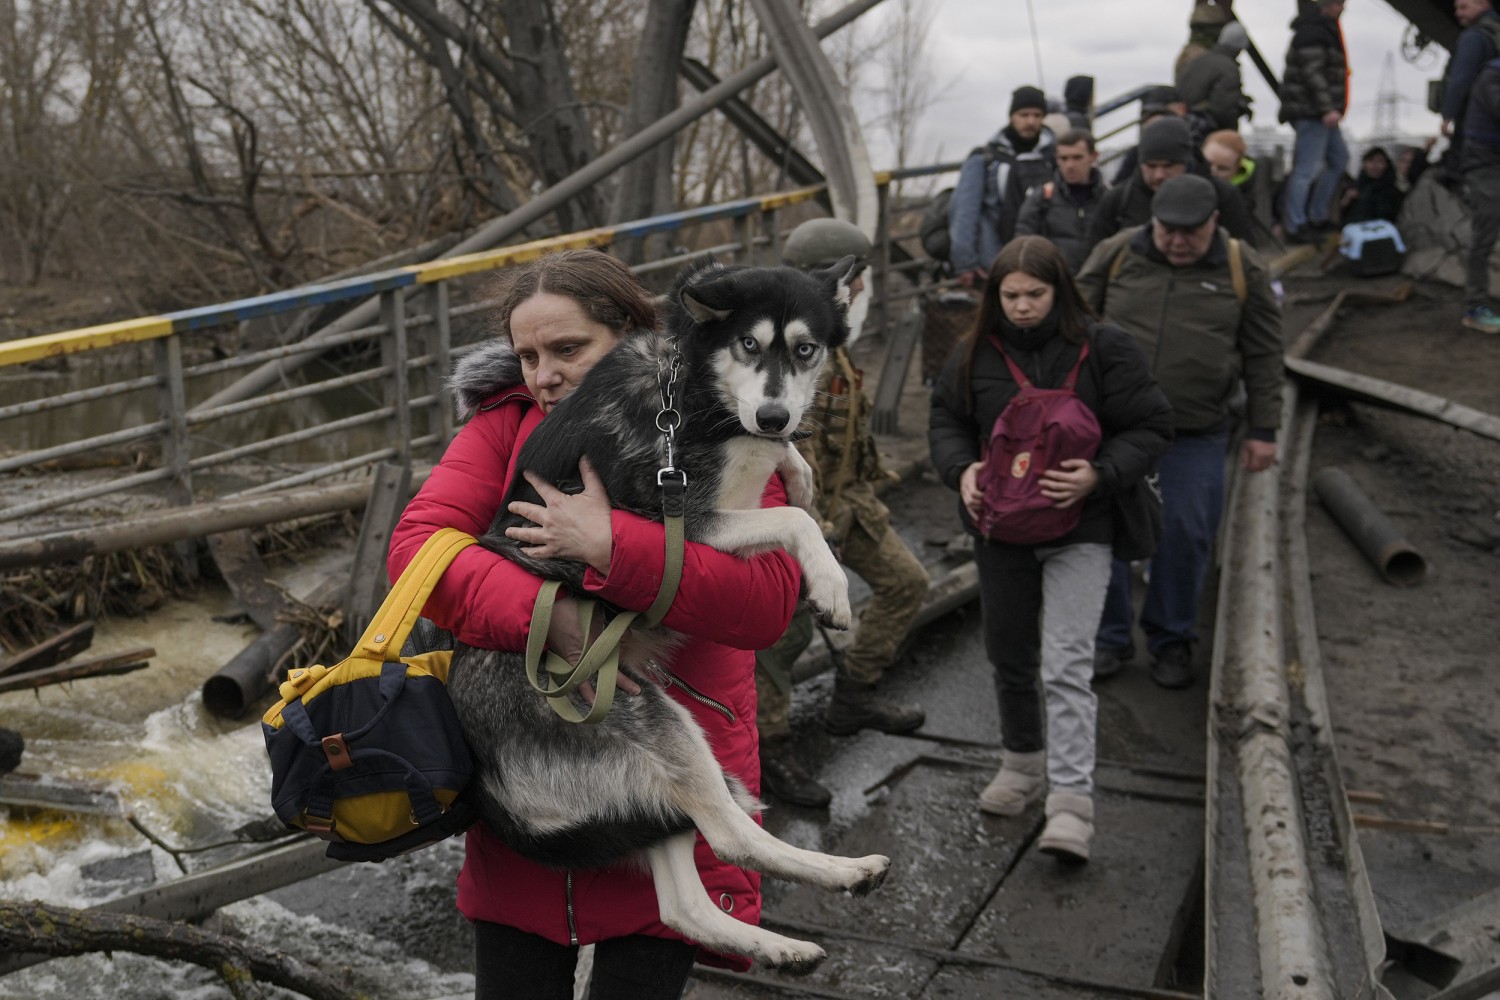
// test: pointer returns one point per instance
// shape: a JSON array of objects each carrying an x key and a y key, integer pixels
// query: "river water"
[{"x": 190, "y": 779}]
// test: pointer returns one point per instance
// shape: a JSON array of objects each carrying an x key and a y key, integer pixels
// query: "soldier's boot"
[
  {"x": 783, "y": 776},
  {"x": 855, "y": 706}
]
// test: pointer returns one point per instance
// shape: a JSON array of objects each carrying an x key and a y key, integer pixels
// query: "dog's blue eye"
[
  {"x": 750, "y": 344},
  {"x": 806, "y": 351}
]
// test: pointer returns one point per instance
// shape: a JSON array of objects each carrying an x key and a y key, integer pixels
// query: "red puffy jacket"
[{"x": 728, "y": 606}]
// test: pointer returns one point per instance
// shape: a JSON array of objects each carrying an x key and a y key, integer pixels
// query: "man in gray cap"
[
  {"x": 1202, "y": 307},
  {"x": 1211, "y": 85},
  {"x": 1167, "y": 150}
]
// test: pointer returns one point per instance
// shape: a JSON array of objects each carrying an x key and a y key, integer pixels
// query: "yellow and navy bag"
[{"x": 367, "y": 754}]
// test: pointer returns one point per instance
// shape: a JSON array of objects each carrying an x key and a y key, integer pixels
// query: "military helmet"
[{"x": 819, "y": 242}]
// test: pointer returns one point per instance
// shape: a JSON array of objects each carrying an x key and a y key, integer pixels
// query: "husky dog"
[{"x": 750, "y": 343}]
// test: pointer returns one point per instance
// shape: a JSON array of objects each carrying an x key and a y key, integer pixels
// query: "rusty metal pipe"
[{"x": 1397, "y": 559}]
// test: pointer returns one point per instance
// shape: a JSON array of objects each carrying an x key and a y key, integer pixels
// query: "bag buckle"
[
  {"x": 337, "y": 751},
  {"x": 321, "y": 827}
]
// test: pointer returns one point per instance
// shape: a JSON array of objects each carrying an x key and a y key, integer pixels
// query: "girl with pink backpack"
[{"x": 1042, "y": 420}]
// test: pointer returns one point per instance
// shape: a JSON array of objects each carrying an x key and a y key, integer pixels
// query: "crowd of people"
[
  {"x": 1139, "y": 306},
  {"x": 1023, "y": 182}
]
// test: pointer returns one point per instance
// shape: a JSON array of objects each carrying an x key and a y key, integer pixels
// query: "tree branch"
[{"x": 55, "y": 931}]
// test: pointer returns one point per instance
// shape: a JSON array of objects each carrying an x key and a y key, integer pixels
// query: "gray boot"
[
  {"x": 1020, "y": 781},
  {"x": 1070, "y": 827},
  {"x": 856, "y": 706}
]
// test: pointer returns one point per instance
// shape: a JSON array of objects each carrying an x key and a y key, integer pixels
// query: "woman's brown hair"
[
  {"x": 604, "y": 288},
  {"x": 1038, "y": 257}
]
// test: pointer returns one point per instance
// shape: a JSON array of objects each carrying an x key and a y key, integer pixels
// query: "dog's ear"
[
  {"x": 838, "y": 277},
  {"x": 701, "y": 311}
]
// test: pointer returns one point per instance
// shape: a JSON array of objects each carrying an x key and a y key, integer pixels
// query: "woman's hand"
[
  {"x": 1070, "y": 482},
  {"x": 969, "y": 490},
  {"x": 567, "y": 526},
  {"x": 565, "y": 638}
]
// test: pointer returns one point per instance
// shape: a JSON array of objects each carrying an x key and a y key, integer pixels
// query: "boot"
[
  {"x": 856, "y": 706},
  {"x": 1020, "y": 781},
  {"x": 1070, "y": 827},
  {"x": 783, "y": 776}
]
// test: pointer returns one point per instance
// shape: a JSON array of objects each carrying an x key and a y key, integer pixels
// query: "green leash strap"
[{"x": 554, "y": 677}]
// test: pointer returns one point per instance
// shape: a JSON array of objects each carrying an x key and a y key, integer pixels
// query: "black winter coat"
[
  {"x": 1115, "y": 382},
  {"x": 1211, "y": 85},
  {"x": 1316, "y": 78}
]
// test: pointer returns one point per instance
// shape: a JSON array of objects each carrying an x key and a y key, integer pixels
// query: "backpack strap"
[
  {"x": 1116, "y": 265},
  {"x": 1237, "y": 271},
  {"x": 1025, "y": 383}
]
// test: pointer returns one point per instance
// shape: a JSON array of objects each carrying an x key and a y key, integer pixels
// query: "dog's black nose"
[{"x": 772, "y": 418}]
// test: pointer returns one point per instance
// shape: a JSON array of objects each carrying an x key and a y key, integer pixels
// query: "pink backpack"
[{"x": 1037, "y": 431}]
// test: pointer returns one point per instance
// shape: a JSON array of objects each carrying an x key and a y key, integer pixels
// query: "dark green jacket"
[{"x": 1199, "y": 339}]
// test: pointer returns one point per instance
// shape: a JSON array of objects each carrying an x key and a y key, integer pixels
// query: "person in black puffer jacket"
[
  {"x": 1041, "y": 603},
  {"x": 1314, "y": 99}
]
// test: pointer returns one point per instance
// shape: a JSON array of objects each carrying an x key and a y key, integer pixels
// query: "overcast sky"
[{"x": 982, "y": 49}]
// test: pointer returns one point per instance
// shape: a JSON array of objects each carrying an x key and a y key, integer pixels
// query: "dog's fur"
[{"x": 752, "y": 342}]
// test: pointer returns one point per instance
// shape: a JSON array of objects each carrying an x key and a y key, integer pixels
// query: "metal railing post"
[
  {"x": 393, "y": 356},
  {"x": 171, "y": 398},
  {"x": 746, "y": 234},
  {"x": 440, "y": 347},
  {"x": 771, "y": 226}
]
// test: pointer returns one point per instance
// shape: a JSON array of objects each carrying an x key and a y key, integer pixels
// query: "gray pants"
[
  {"x": 1482, "y": 196},
  {"x": 1041, "y": 608}
]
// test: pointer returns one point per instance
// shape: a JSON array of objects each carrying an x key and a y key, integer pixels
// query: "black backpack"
[{"x": 933, "y": 229}]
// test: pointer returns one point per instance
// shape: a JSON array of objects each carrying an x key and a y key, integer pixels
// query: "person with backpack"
[
  {"x": 1200, "y": 303},
  {"x": 1042, "y": 418},
  {"x": 994, "y": 179},
  {"x": 1062, "y": 208},
  {"x": 1479, "y": 165}
]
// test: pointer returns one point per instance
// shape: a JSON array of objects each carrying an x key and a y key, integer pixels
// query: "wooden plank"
[
  {"x": 62, "y": 646},
  {"x": 103, "y": 666},
  {"x": 1379, "y": 392}
]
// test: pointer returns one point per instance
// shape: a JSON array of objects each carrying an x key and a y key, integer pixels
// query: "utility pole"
[{"x": 1387, "y": 106}]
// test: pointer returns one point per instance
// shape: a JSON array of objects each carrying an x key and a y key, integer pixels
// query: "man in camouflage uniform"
[{"x": 846, "y": 466}]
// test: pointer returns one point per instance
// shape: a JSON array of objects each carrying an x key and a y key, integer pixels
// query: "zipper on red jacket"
[
  {"x": 572, "y": 922},
  {"x": 700, "y": 697}
]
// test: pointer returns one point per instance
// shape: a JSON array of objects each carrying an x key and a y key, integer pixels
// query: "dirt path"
[{"x": 1410, "y": 670}]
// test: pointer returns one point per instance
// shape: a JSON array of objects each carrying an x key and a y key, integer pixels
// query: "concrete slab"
[
  {"x": 946, "y": 860},
  {"x": 1124, "y": 912}
]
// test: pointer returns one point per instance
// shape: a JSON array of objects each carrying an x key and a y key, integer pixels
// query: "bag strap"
[
  {"x": 402, "y": 607},
  {"x": 1237, "y": 271},
  {"x": 1025, "y": 383}
]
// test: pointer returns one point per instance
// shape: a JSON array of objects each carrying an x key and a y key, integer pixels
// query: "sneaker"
[
  {"x": 1482, "y": 318},
  {"x": 1173, "y": 666},
  {"x": 1110, "y": 660},
  {"x": 783, "y": 776}
]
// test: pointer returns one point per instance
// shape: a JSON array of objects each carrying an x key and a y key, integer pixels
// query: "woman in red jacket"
[{"x": 557, "y": 317}]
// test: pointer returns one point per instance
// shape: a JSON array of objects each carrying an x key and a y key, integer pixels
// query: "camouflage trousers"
[{"x": 898, "y": 583}]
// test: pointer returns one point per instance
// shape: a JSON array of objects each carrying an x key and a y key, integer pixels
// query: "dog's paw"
[
  {"x": 795, "y": 957},
  {"x": 838, "y": 616},
  {"x": 874, "y": 867}
]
